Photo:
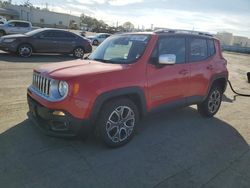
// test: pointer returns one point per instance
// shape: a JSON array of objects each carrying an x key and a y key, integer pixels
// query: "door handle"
[
  {"x": 183, "y": 72},
  {"x": 210, "y": 67}
]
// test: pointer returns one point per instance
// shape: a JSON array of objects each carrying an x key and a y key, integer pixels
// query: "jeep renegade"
[{"x": 126, "y": 77}]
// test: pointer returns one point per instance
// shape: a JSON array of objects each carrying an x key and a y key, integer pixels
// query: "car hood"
[
  {"x": 70, "y": 69},
  {"x": 13, "y": 36}
]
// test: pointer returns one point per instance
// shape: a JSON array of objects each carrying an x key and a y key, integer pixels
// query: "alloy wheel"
[
  {"x": 120, "y": 124},
  {"x": 214, "y": 101},
  {"x": 25, "y": 51},
  {"x": 79, "y": 52}
]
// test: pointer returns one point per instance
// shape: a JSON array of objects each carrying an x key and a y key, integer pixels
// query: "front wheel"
[
  {"x": 117, "y": 122},
  {"x": 211, "y": 105},
  {"x": 78, "y": 52},
  {"x": 24, "y": 50}
]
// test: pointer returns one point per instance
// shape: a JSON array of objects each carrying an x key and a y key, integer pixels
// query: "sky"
[{"x": 202, "y": 15}]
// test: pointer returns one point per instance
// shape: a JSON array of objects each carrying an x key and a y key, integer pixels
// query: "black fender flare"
[
  {"x": 121, "y": 92},
  {"x": 214, "y": 78}
]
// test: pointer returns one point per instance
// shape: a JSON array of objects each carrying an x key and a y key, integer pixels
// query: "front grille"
[{"x": 41, "y": 84}]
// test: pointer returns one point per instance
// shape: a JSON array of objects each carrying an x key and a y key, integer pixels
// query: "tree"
[
  {"x": 27, "y": 3},
  {"x": 128, "y": 26},
  {"x": 5, "y": 3},
  {"x": 93, "y": 24}
]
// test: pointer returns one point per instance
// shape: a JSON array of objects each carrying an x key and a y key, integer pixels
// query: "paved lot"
[{"x": 176, "y": 148}]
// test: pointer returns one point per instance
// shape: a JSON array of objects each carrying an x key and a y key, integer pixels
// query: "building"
[
  {"x": 248, "y": 43},
  {"x": 40, "y": 17},
  {"x": 240, "y": 41},
  {"x": 225, "y": 38},
  {"x": 9, "y": 14},
  {"x": 229, "y": 40}
]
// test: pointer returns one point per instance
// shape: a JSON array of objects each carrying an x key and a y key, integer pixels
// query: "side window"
[
  {"x": 211, "y": 48},
  {"x": 59, "y": 34},
  {"x": 22, "y": 24},
  {"x": 173, "y": 45},
  {"x": 198, "y": 49},
  {"x": 12, "y": 24},
  {"x": 48, "y": 34},
  {"x": 69, "y": 35}
]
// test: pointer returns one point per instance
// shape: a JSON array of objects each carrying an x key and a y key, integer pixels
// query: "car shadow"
[
  {"x": 176, "y": 148},
  {"x": 35, "y": 58}
]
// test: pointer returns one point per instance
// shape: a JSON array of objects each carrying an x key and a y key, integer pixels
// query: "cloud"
[
  {"x": 212, "y": 15},
  {"x": 91, "y": 2},
  {"x": 123, "y": 2}
]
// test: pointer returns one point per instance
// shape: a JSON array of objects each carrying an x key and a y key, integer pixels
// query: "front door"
[
  {"x": 46, "y": 42},
  {"x": 168, "y": 83}
]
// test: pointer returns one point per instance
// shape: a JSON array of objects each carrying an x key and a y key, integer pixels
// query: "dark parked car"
[{"x": 46, "y": 41}]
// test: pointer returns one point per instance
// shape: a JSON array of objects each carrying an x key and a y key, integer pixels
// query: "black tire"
[
  {"x": 95, "y": 43},
  {"x": 78, "y": 52},
  {"x": 2, "y": 33},
  {"x": 123, "y": 128},
  {"x": 24, "y": 50},
  {"x": 211, "y": 105}
]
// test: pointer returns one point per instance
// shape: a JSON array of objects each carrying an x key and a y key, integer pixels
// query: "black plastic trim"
[
  {"x": 214, "y": 78},
  {"x": 128, "y": 91}
]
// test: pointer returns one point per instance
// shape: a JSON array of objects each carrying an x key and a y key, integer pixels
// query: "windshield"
[{"x": 121, "y": 49}]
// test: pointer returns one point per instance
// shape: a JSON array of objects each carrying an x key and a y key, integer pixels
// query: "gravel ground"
[{"x": 176, "y": 148}]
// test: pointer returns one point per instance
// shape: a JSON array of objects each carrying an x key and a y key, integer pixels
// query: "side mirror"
[{"x": 167, "y": 59}]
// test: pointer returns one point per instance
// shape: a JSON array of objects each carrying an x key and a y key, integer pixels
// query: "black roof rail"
[{"x": 183, "y": 31}]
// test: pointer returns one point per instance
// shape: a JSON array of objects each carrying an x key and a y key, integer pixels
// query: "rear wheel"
[
  {"x": 95, "y": 42},
  {"x": 211, "y": 105},
  {"x": 24, "y": 50},
  {"x": 117, "y": 122},
  {"x": 2, "y": 33},
  {"x": 78, "y": 52}
]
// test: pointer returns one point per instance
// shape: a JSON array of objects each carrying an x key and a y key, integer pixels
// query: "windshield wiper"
[{"x": 103, "y": 60}]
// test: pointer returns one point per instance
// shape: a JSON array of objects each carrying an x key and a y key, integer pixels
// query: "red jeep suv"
[{"x": 126, "y": 77}]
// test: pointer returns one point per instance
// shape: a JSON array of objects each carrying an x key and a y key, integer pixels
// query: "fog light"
[{"x": 58, "y": 113}]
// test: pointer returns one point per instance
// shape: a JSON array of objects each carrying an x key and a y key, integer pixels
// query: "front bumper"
[
  {"x": 55, "y": 125},
  {"x": 8, "y": 47}
]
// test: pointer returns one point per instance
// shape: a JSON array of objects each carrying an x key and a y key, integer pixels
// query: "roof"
[
  {"x": 18, "y": 21},
  {"x": 183, "y": 32},
  {"x": 4, "y": 11}
]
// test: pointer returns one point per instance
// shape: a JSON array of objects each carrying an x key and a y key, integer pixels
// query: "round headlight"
[{"x": 63, "y": 88}]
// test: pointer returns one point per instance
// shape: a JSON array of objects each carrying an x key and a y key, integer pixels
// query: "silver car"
[
  {"x": 99, "y": 38},
  {"x": 15, "y": 27}
]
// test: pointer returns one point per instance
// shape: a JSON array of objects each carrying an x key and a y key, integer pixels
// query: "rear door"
[
  {"x": 66, "y": 41},
  {"x": 168, "y": 83},
  {"x": 201, "y": 60},
  {"x": 23, "y": 27}
]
